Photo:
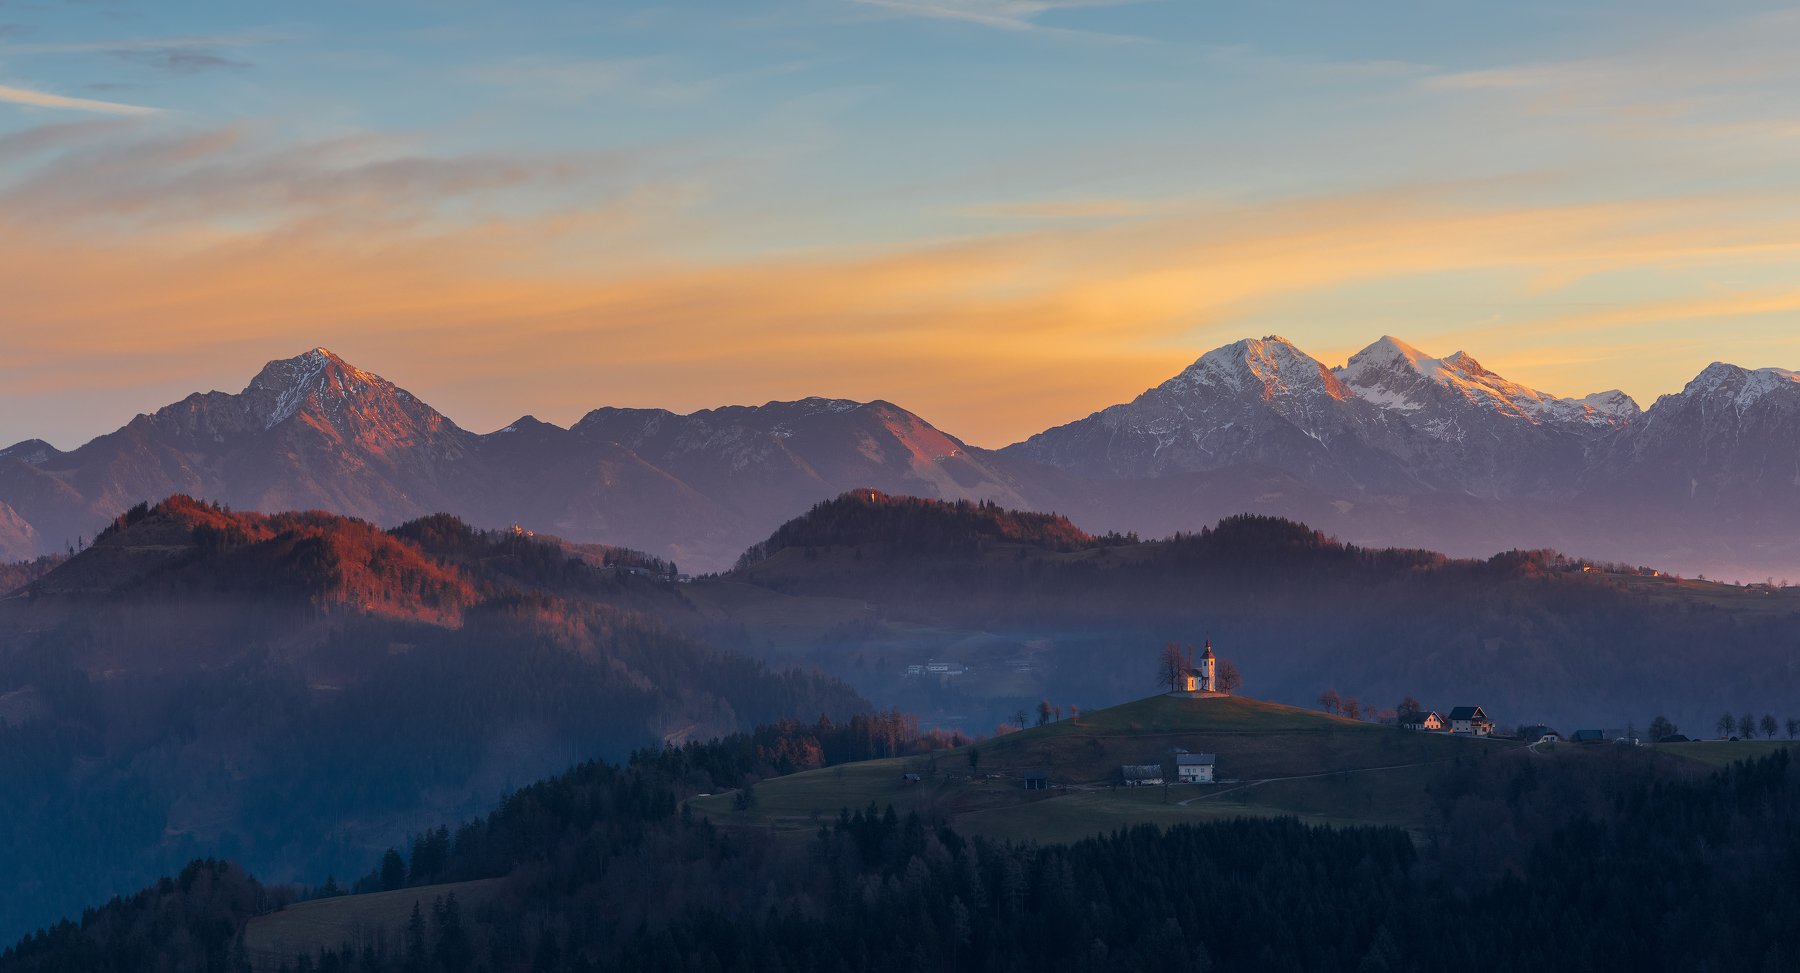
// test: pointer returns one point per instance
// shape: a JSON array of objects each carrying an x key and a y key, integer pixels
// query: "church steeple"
[{"x": 1209, "y": 681}]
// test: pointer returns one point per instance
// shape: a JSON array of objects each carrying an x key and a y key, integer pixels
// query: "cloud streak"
[
  {"x": 1018, "y": 15},
  {"x": 238, "y": 249},
  {"x": 44, "y": 99}
]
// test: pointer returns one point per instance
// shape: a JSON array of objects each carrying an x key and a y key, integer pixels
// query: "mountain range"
[{"x": 1393, "y": 447}]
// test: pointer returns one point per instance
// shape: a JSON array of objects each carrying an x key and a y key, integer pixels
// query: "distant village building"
[
  {"x": 1470, "y": 719},
  {"x": 910, "y": 778},
  {"x": 1430, "y": 722},
  {"x": 1539, "y": 733},
  {"x": 1600, "y": 736},
  {"x": 1195, "y": 768},
  {"x": 1142, "y": 775},
  {"x": 1036, "y": 780}
]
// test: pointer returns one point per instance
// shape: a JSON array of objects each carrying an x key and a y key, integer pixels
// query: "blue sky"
[{"x": 1001, "y": 214}]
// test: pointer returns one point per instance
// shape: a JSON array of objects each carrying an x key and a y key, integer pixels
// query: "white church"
[{"x": 1202, "y": 679}]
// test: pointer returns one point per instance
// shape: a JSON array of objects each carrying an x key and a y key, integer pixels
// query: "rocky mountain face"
[
  {"x": 1264, "y": 402},
  {"x": 1393, "y": 447},
  {"x": 316, "y": 432},
  {"x": 1398, "y": 447},
  {"x": 1728, "y": 442},
  {"x": 1390, "y": 420}
]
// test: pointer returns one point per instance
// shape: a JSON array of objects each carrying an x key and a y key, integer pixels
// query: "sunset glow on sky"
[{"x": 1001, "y": 214}]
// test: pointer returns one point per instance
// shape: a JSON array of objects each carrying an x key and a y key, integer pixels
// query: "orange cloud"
[{"x": 553, "y": 311}]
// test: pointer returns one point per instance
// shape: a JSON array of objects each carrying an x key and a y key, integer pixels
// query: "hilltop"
[
  {"x": 297, "y": 687},
  {"x": 1535, "y": 636},
  {"x": 1272, "y": 760},
  {"x": 608, "y": 868}
]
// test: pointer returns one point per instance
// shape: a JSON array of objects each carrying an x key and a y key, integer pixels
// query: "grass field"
[
  {"x": 1718, "y": 753},
  {"x": 1272, "y": 760},
  {"x": 376, "y": 917}
]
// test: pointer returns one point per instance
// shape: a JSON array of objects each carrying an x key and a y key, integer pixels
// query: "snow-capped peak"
[
  {"x": 283, "y": 386},
  {"x": 1394, "y": 375},
  {"x": 1269, "y": 366},
  {"x": 1744, "y": 385}
]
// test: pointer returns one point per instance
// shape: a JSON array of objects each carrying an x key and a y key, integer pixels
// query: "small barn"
[
  {"x": 1036, "y": 779},
  {"x": 1141, "y": 775},
  {"x": 1195, "y": 768}
]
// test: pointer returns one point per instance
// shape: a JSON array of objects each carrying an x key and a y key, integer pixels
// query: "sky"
[{"x": 1000, "y": 214}]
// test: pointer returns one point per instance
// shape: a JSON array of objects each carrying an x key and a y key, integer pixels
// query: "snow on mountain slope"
[
  {"x": 1394, "y": 375},
  {"x": 1261, "y": 401}
]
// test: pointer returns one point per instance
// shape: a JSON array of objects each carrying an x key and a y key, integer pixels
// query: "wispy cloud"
[
  {"x": 179, "y": 60},
  {"x": 44, "y": 99},
  {"x": 1021, "y": 15}
]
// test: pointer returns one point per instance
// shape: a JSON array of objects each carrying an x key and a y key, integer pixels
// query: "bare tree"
[
  {"x": 1727, "y": 725},
  {"x": 1747, "y": 726},
  {"x": 1043, "y": 712},
  {"x": 1171, "y": 667},
  {"x": 1769, "y": 727},
  {"x": 1793, "y": 728},
  {"x": 1019, "y": 717},
  {"x": 1229, "y": 678},
  {"x": 1353, "y": 707},
  {"x": 1329, "y": 701},
  {"x": 1408, "y": 708}
]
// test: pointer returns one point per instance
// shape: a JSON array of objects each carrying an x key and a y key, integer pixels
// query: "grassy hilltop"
[{"x": 1272, "y": 759}]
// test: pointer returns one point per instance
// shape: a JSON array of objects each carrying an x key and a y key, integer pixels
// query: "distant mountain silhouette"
[{"x": 1393, "y": 447}]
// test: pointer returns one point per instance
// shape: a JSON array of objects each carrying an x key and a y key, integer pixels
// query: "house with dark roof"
[
  {"x": 1470, "y": 719},
  {"x": 1599, "y": 736},
  {"x": 1539, "y": 733},
  {"x": 1195, "y": 768}
]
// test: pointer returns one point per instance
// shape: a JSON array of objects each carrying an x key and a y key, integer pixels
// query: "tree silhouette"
[
  {"x": 1229, "y": 678},
  {"x": 1329, "y": 701},
  {"x": 1661, "y": 727},
  {"x": 1171, "y": 667}
]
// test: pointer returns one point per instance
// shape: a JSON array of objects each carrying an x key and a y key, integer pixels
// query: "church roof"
[{"x": 1209, "y": 653}]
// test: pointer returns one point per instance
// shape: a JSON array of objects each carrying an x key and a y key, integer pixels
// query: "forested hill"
[
  {"x": 1601, "y": 860},
  {"x": 918, "y": 526},
  {"x": 295, "y": 689},
  {"x": 1530, "y": 635}
]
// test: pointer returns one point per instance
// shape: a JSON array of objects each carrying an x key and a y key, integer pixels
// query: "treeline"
[
  {"x": 517, "y": 556},
  {"x": 317, "y": 558},
  {"x": 912, "y": 525},
  {"x": 237, "y": 717},
  {"x": 1605, "y": 861},
  {"x": 17, "y": 574},
  {"x": 1526, "y": 634}
]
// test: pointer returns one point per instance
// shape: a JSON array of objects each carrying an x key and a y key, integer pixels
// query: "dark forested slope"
[
  {"x": 292, "y": 690},
  {"x": 1530, "y": 635},
  {"x": 1604, "y": 862}
]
